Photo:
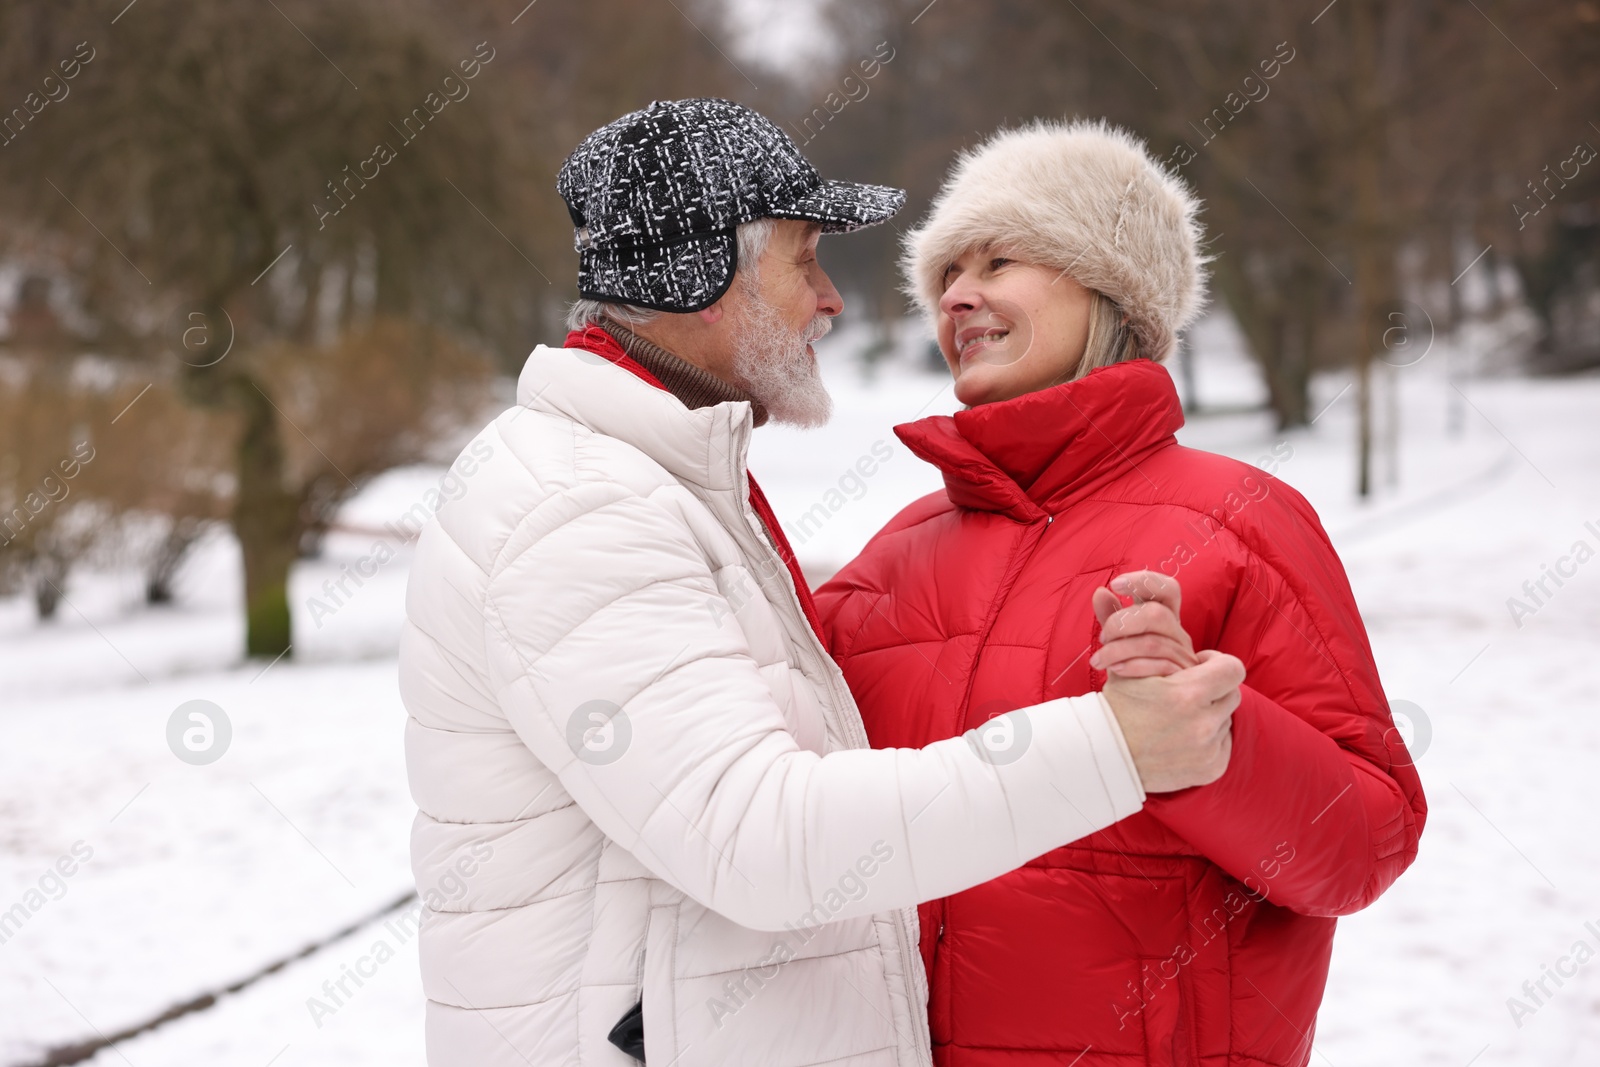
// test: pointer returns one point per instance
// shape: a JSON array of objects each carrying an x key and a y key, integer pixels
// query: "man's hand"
[
  {"x": 1179, "y": 728},
  {"x": 1146, "y": 639}
]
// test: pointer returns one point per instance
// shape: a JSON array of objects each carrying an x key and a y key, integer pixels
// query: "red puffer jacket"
[{"x": 1197, "y": 932}]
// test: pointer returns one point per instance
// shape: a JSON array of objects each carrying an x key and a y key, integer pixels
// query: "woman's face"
[{"x": 1008, "y": 328}]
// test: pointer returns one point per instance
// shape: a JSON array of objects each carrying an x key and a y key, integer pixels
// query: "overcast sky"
[{"x": 785, "y": 34}]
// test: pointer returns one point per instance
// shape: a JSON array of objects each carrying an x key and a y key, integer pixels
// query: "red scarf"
[{"x": 594, "y": 339}]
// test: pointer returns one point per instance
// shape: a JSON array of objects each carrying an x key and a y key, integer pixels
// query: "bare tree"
[{"x": 225, "y": 185}]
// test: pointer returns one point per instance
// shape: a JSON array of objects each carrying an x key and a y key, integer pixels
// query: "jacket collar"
[
  {"x": 705, "y": 446},
  {"x": 697, "y": 388},
  {"x": 1035, "y": 454}
]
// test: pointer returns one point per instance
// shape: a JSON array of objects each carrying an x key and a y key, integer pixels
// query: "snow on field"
[{"x": 185, "y": 878}]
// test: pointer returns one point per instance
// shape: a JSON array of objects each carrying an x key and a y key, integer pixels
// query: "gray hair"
[{"x": 753, "y": 238}]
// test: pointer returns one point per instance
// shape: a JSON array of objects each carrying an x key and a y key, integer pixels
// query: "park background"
[{"x": 240, "y": 342}]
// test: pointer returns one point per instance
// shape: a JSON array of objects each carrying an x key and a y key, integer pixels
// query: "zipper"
[
  {"x": 854, "y": 733},
  {"x": 1032, "y": 536},
  {"x": 848, "y": 727}
]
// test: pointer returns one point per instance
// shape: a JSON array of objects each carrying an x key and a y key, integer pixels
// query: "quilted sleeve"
[{"x": 1321, "y": 807}]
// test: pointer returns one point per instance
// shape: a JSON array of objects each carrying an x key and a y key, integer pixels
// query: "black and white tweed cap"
[{"x": 658, "y": 194}]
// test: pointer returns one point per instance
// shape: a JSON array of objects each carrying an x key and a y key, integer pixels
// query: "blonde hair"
[{"x": 1111, "y": 340}]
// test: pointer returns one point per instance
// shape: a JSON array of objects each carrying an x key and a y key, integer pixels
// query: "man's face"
[
  {"x": 791, "y": 280},
  {"x": 772, "y": 323}
]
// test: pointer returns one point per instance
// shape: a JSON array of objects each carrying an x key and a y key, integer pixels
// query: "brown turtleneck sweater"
[{"x": 695, "y": 387}]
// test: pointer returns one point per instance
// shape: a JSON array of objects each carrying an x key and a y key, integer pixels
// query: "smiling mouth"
[{"x": 972, "y": 344}]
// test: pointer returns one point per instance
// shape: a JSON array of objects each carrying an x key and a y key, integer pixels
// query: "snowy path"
[{"x": 200, "y": 875}]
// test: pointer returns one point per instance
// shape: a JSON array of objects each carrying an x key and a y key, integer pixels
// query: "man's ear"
[{"x": 713, "y": 314}]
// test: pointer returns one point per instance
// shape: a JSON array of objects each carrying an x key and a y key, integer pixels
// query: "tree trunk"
[
  {"x": 1368, "y": 146},
  {"x": 1263, "y": 320},
  {"x": 267, "y": 521},
  {"x": 50, "y": 576},
  {"x": 1297, "y": 353},
  {"x": 1456, "y": 412}
]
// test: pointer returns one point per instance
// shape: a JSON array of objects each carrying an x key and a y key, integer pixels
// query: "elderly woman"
[{"x": 1058, "y": 264}]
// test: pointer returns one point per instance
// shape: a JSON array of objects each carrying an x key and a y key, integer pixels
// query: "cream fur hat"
[{"x": 1082, "y": 197}]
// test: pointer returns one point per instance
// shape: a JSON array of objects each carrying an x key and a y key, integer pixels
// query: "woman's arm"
[
  {"x": 1309, "y": 825},
  {"x": 1319, "y": 790}
]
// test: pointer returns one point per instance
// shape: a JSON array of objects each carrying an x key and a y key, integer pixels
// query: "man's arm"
[{"x": 608, "y": 602}]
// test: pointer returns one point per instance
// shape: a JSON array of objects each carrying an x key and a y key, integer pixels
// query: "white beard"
[{"x": 772, "y": 365}]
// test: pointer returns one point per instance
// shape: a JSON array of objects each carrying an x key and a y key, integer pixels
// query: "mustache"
[{"x": 818, "y": 328}]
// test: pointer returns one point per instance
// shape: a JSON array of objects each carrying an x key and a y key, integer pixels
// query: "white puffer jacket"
[{"x": 642, "y": 778}]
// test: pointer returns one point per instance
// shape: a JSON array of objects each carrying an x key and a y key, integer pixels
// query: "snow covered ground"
[{"x": 187, "y": 877}]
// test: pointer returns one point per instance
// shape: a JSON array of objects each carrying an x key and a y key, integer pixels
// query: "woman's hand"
[{"x": 1145, "y": 639}]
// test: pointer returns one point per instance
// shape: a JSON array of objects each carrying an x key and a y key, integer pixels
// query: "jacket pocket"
[
  {"x": 1168, "y": 1029},
  {"x": 657, "y": 994}
]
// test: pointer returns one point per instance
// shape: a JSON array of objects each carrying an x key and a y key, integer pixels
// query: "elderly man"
[{"x": 651, "y": 827}]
